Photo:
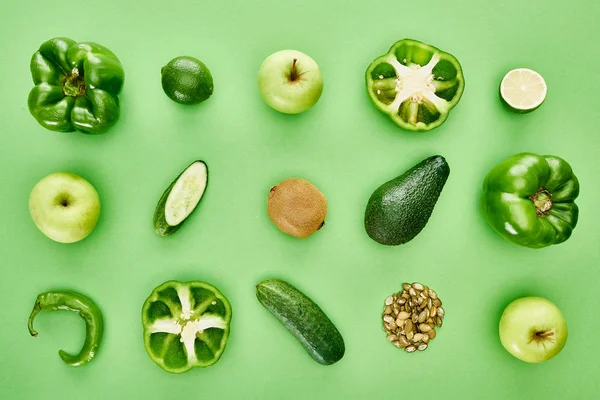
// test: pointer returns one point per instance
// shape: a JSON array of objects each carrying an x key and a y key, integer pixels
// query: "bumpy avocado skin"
[{"x": 399, "y": 209}]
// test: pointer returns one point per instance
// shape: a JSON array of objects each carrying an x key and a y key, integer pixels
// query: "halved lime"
[{"x": 523, "y": 89}]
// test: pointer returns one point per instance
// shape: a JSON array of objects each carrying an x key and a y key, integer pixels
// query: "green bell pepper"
[
  {"x": 529, "y": 200},
  {"x": 76, "y": 86},
  {"x": 415, "y": 84},
  {"x": 85, "y": 308},
  {"x": 186, "y": 325}
]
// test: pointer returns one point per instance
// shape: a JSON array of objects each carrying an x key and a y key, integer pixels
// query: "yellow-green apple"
[
  {"x": 65, "y": 207},
  {"x": 533, "y": 329},
  {"x": 290, "y": 81}
]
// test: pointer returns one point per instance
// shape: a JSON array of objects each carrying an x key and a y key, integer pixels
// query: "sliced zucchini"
[{"x": 181, "y": 198}]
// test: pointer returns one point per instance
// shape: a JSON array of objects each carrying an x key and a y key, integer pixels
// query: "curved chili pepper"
[{"x": 80, "y": 304}]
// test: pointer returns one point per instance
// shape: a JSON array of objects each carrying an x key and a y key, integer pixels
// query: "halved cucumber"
[{"x": 180, "y": 198}]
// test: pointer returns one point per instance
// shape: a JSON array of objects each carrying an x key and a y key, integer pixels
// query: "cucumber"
[
  {"x": 304, "y": 319},
  {"x": 180, "y": 198}
]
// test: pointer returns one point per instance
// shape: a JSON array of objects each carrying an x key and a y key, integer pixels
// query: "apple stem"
[
  {"x": 294, "y": 73},
  {"x": 544, "y": 334}
]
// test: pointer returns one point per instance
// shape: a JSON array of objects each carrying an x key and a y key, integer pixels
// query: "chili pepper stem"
[{"x": 36, "y": 309}]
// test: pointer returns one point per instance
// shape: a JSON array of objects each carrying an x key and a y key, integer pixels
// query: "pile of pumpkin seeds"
[{"x": 411, "y": 316}]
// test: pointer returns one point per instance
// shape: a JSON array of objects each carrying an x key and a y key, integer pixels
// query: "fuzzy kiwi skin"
[{"x": 297, "y": 207}]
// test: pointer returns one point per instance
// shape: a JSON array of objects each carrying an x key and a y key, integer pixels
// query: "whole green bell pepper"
[
  {"x": 529, "y": 200},
  {"x": 415, "y": 84},
  {"x": 186, "y": 325},
  {"x": 76, "y": 86}
]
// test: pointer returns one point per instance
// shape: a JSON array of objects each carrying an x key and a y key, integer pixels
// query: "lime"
[
  {"x": 523, "y": 89},
  {"x": 186, "y": 80}
]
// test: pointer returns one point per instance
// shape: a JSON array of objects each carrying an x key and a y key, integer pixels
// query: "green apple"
[
  {"x": 290, "y": 81},
  {"x": 65, "y": 207},
  {"x": 533, "y": 329}
]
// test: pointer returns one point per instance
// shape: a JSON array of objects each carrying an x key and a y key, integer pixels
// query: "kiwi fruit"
[{"x": 297, "y": 207}]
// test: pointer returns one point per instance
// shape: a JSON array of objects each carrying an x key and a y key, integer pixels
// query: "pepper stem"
[
  {"x": 36, "y": 309},
  {"x": 73, "y": 84},
  {"x": 542, "y": 199}
]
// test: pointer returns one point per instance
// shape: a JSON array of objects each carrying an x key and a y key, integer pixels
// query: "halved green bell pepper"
[
  {"x": 76, "y": 86},
  {"x": 529, "y": 200},
  {"x": 186, "y": 325},
  {"x": 416, "y": 84}
]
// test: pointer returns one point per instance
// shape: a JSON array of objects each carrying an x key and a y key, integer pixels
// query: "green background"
[{"x": 346, "y": 148}]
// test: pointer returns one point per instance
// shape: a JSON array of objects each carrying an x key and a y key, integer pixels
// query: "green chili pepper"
[
  {"x": 76, "y": 86},
  {"x": 415, "y": 84},
  {"x": 530, "y": 200},
  {"x": 80, "y": 304},
  {"x": 186, "y": 325}
]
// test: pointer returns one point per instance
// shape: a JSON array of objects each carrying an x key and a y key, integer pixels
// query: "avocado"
[{"x": 399, "y": 209}]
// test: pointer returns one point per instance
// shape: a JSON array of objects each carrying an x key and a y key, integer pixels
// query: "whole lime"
[{"x": 187, "y": 80}]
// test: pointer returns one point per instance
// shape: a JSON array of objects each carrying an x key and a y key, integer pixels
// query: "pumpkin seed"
[
  {"x": 404, "y": 315},
  {"x": 404, "y": 341},
  {"x": 410, "y": 349},
  {"x": 410, "y": 317}
]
